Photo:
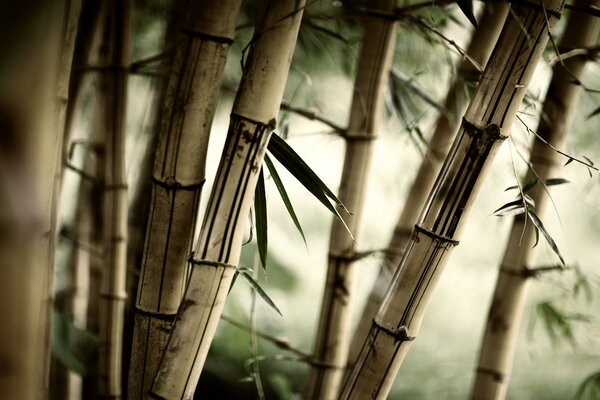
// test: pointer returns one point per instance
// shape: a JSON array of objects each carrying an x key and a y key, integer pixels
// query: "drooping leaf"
[
  {"x": 509, "y": 207},
  {"x": 569, "y": 161},
  {"x": 540, "y": 226},
  {"x": 305, "y": 175},
  {"x": 466, "y": 6},
  {"x": 555, "y": 181},
  {"x": 528, "y": 186},
  {"x": 246, "y": 273},
  {"x": 589, "y": 388},
  {"x": 594, "y": 113},
  {"x": 260, "y": 214},
  {"x": 75, "y": 348},
  {"x": 284, "y": 195}
]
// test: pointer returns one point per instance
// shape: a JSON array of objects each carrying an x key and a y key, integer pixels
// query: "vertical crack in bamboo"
[
  {"x": 219, "y": 245},
  {"x": 333, "y": 333},
  {"x": 506, "y": 310},
  {"x": 490, "y": 112},
  {"x": 480, "y": 48},
  {"x": 201, "y": 50}
]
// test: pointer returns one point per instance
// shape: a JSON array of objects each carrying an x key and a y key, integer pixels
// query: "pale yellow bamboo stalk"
[
  {"x": 31, "y": 99},
  {"x": 482, "y": 43},
  {"x": 506, "y": 311},
  {"x": 489, "y": 115},
  {"x": 333, "y": 333},
  {"x": 179, "y": 174},
  {"x": 113, "y": 91},
  {"x": 219, "y": 246}
]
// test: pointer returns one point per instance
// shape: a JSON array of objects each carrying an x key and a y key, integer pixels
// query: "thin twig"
[
  {"x": 587, "y": 164},
  {"x": 421, "y": 22},
  {"x": 591, "y": 52}
]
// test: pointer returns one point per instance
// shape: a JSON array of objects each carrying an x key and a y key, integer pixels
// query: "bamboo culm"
[
  {"x": 218, "y": 248},
  {"x": 333, "y": 334},
  {"x": 506, "y": 311},
  {"x": 201, "y": 51},
  {"x": 489, "y": 115},
  {"x": 482, "y": 43},
  {"x": 115, "y": 50}
]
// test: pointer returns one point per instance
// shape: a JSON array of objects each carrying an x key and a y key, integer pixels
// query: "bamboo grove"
[{"x": 158, "y": 159}]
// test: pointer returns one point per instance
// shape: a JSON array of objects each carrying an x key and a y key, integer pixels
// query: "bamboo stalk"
[
  {"x": 179, "y": 174},
  {"x": 506, "y": 311},
  {"x": 489, "y": 115},
  {"x": 480, "y": 48},
  {"x": 333, "y": 334},
  {"x": 219, "y": 246},
  {"x": 115, "y": 50}
]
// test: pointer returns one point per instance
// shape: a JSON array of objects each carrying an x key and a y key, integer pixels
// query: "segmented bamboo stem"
[
  {"x": 489, "y": 115},
  {"x": 333, "y": 334},
  {"x": 219, "y": 246},
  {"x": 482, "y": 43},
  {"x": 115, "y": 50},
  {"x": 200, "y": 55},
  {"x": 506, "y": 311}
]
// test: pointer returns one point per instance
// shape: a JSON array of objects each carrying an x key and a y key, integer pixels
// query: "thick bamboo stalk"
[
  {"x": 489, "y": 115},
  {"x": 219, "y": 246},
  {"x": 482, "y": 43},
  {"x": 506, "y": 311},
  {"x": 113, "y": 92},
  {"x": 179, "y": 174},
  {"x": 36, "y": 48},
  {"x": 333, "y": 334}
]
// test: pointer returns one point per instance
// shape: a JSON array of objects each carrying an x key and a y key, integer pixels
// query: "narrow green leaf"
[
  {"x": 247, "y": 274},
  {"x": 589, "y": 388},
  {"x": 305, "y": 175},
  {"x": 508, "y": 207},
  {"x": 594, "y": 113},
  {"x": 260, "y": 214},
  {"x": 466, "y": 6},
  {"x": 569, "y": 161},
  {"x": 555, "y": 181},
  {"x": 539, "y": 225},
  {"x": 284, "y": 195}
]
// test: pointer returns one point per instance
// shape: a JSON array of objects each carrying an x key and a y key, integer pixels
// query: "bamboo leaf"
[
  {"x": 75, "y": 348},
  {"x": 528, "y": 186},
  {"x": 569, "y": 161},
  {"x": 555, "y": 181},
  {"x": 246, "y": 273},
  {"x": 306, "y": 176},
  {"x": 508, "y": 207},
  {"x": 594, "y": 113},
  {"x": 284, "y": 195},
  {"x": 589, "y": 388},
  {"x": 466, "y": 6},
  {"x": 539, "y": 225},
  {"x": 260, "y": 214}
]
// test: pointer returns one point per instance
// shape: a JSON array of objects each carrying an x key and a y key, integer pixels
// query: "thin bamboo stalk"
[
  {"x": 179, "y": 174},
  {"x": 480, "y": 48},
  {"x": 333, "y": 334},
  {"x": 490, "y": 114},
  {"x": 506, "y": 311},
  {"x": 113, "y": 92},
  {"x": 219, "y": 246}
]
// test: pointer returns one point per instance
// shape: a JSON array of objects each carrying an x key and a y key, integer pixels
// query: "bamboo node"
[
  {"x": 114, "y": 296},
  {"x": 208, "y": 263},
  {"x": 496, "y": 375},
  {"x": 399, "y": 334},
  {"x": 435, "y": 236},
  {"x": 170, "y": 183},
  {"x": 206, "y": 36}
]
